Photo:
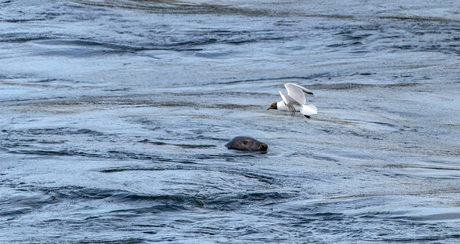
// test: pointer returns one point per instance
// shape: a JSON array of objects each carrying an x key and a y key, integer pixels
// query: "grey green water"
[{"x": 114, "y": 116}]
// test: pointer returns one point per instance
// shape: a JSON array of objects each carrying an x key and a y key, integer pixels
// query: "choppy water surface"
[{"x": 114, "y": 116}]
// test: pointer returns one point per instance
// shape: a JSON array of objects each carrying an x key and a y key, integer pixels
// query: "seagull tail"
[{"x": 309, "y": 109}]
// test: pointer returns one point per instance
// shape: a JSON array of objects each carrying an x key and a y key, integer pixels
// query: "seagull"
[{"x": 295, "y": 101}]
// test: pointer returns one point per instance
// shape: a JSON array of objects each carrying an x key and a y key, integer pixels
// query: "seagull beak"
[{"x": 269, "y": 108}]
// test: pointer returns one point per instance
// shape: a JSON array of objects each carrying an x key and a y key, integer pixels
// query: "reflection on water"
[{"x": 114, "y": 116}]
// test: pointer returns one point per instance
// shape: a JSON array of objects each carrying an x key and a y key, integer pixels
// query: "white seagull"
[{"x": 295, "y": 101}]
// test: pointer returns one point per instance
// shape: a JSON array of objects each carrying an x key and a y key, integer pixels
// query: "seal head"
[{"x": 245, "y": 143}]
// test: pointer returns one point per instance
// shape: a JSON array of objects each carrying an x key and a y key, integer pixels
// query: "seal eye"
[{"x": 245, "y": 142}]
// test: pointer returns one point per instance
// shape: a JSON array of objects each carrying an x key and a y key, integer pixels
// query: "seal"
[{"x": 245, "y": 143}]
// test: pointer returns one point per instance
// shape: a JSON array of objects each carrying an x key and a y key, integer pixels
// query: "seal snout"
[{"x": 263, "y": 147}]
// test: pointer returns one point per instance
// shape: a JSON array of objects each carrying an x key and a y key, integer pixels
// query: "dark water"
[{"x": 114, "y": 116}]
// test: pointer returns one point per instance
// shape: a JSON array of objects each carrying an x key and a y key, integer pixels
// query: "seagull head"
[{"x": 273, "y": 106}]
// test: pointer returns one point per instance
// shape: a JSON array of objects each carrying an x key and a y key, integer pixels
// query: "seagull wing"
[
  {"x": 297, "y": 92},
  {"x": 290, "y": 102},
  {"x": 301, "y": 88}
]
